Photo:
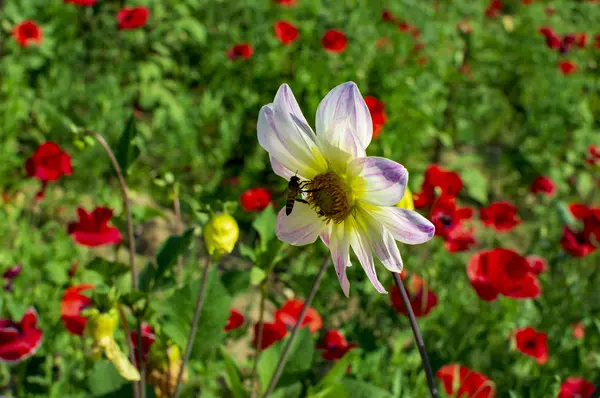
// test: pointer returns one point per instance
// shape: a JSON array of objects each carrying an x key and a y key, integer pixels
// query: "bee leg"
[{"x": 301, "y": 201}]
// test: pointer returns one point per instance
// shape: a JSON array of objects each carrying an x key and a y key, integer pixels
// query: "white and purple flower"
[{"x": 349, "y": 196}]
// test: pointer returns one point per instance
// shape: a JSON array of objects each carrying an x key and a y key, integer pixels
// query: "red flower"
[
  {"x": 578, "y": 330},
  {"x": 597, "y": 40},
  {"x": 567, "y": 67},
  {"x": 378, "y": 116},
  {"x": 460, "y": 381},
  {"x": 593, "y": 156},
  {"x": 334, "y": 345},
  {"x": 533, "y": 343},
  {"x": 92, "y": 228},
  {"x": 448, "y": 182},
  {"x": 446, "y": 215},
  {"x": 576, "y": 243},
  {"x": 12, "y": 272},
  {"x": 537, "y": 264},
  {"x": 148, "y": 338},
  {"x": 502, "y": 216},
  {"x": 236, "y": 320},
  {"x": 71, "y": 305},
  {"x": 48, "y": 163},
  {"x": 286, "y": 3},
  {"x": 19, "y": 341},
  {"x": 27, "y": 33},
  {"x": 580, "y": 40},
  {"x": 132, "y": 17},
  {"x": 552, "y": 39},
  {"x": 334, "y": 41},
  {"x": 85, "y": 3},
  {"x": 459, "y": 239},
  {"x": 271, "y": 333},
  {"x": 493, "y": 9},
  {"x": 255, "y": 199},
  {"x": 242, "y": 50},
  {"x": 422, "y": 299},
  {"x": 580, "y": 243},
  {"x": 575, "y": 387},
  {"x": 289, "y": 313},
  {"x": 502, "y": 271},
  {"x": 387, "y": 16},
  {"x": 285, "y": 32},
  {"x": 543, "y": 185}
]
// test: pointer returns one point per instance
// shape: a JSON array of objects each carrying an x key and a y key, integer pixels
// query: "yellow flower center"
[{"x": 330, "y": 196}]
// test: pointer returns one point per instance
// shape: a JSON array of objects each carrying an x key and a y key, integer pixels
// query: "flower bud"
[
  {"x": 407, "y": 201},
  {"x": 221, "y": 234},
  {"x": 102, "y": 326}
]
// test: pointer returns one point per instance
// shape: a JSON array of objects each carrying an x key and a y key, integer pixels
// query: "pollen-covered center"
[{"x": 329, "y": 195}]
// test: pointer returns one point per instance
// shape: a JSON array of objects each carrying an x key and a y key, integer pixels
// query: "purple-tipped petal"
[
  {"x": 280, "y": 169},
  {"x": 301, "y": 227},
  {"x": 383, "y": 181},
  {"x": 406, "y": 226},
  {"x": 360, "y": 244},
  {"x": 345, "y": 102},
  {"x": 340, "y": 253},
  {"x": 286, "y": 102},
  {"x": 340, "y": 145}
]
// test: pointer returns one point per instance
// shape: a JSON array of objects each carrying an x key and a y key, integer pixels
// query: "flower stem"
[
  {"x": 131, "y": 238},
  {"x": 418, "y": 337},
  {"x": 194, "y": 329},
  {"x": 263, "y": 296},
  {"x": 286, "y": 349}
]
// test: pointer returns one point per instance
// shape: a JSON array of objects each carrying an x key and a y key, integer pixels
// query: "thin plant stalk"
[
  {"x": 259, "y": 334},
  {"x": 194, "y": 329},
  {"x": 131, "y": 239},
  {"x": 418, "y": 337},
  {"x": 179, "y": 226},
  {"x": 286, "y": 349}
]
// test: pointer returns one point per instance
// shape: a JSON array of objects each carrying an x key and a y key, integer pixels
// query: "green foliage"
[{"x": 126, "y": 151}]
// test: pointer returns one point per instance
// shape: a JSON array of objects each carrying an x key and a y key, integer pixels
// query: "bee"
[{"x": 295, "y": 187}]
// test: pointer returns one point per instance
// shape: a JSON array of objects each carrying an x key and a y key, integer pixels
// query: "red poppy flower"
[
  {"x": 502, "y": 216},
  {"x": 576, "y": 387},
  {"x": 567, "y": 67},
  {"x": 422, "y": 299},
  {"x": 10, "y": 274},
  {"x": 71, "y": 305},
  {"x": 334, "y": 41},
  {"x": 537, "y": 264},
  {"x": 460, "y": 239},
  {"x": 449, "y": 183},
  {"x": 285, "y": 32},
  {"x": 272, "y": 332},
  {"x": 578, "y": 330},
  {"x": 543, "y": 185},
  {"x": 378, "y": 116},
  {"x": 387, "y": 16},
  {"x": 597, "y": 40},
  {"x": 576, "y": 243},
  {"x": 236, "y": 320},
  {"x": 286, "y": 3},
  {"x": 593, "y": 156},
  {"x": 334, "y": 345},
  {"x": 580, "y": 40},
  {"x": 446, "y": 215},
  {"x": 532, "y": 343},
  {"x": 290, "y": 311},
  {"x": 493, "y": 9},
  {"x": 255, "y": 199},
  {"x": 92, "y": 228},
  {"x": 553, "y": 40},
  {"x": 19, "y": 341},
  {"x": 581, "y": 243},
  {"x": 84, "y": 3},
  {"x": 502, "y": 271},
  {"x": 132, "y": 17},
  {"x": 48, "y": 163},
  {"x": 590, "y": 216},
  {"x": 148, "y": 338},
  {"x": 460, "y": 381},
  {"x": 242, "y": 50},
  {"x": 27, "y": 33}
]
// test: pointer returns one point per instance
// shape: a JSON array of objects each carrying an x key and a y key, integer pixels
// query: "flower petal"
[
  {"x": 345, "y": 102},
  {"x": 406, "y": 226},
  {"x": 340, "y": 145},
  {"x": 378, "y": 181},
  {"x": 286, "y": 102},
  {"x": 280, "y": 169},
  {"x": 359, "y": 241},
  {"x": 286, "y": 137},
  {"x": 301, "y": 227},
  {"x": 339, "y": 245},
  {"x": 381, "y": 241}
]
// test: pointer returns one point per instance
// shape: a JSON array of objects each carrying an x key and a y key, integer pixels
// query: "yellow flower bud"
[
  {"x": 407, "y": 201},
  {"x": 221, "y": 234},
  {"x": 101, "y": 326}
]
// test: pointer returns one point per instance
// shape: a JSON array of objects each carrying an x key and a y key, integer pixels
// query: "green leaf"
[
  {"x": 265, "y": 224},
  {"x": 109, "y": 270},
  {"x": 104, "y": 378},
  {"x": 170, "y": 251},
  {"x": 247, "y": 251},
  {"x": 257, "y": 275},
  {"x": 291, "y": 391},
  {"x": 268, "y": 362},
  {"x": 360, "y": 389},
  {"x": 476, "y": 184},
  {"x": 146, "y": 276},
  {"x": 179, "y": 310},
  {"x": 234, "y": 380},
  {"x": 127, "y": 152},
  {"x": 336, "y": 373}
]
